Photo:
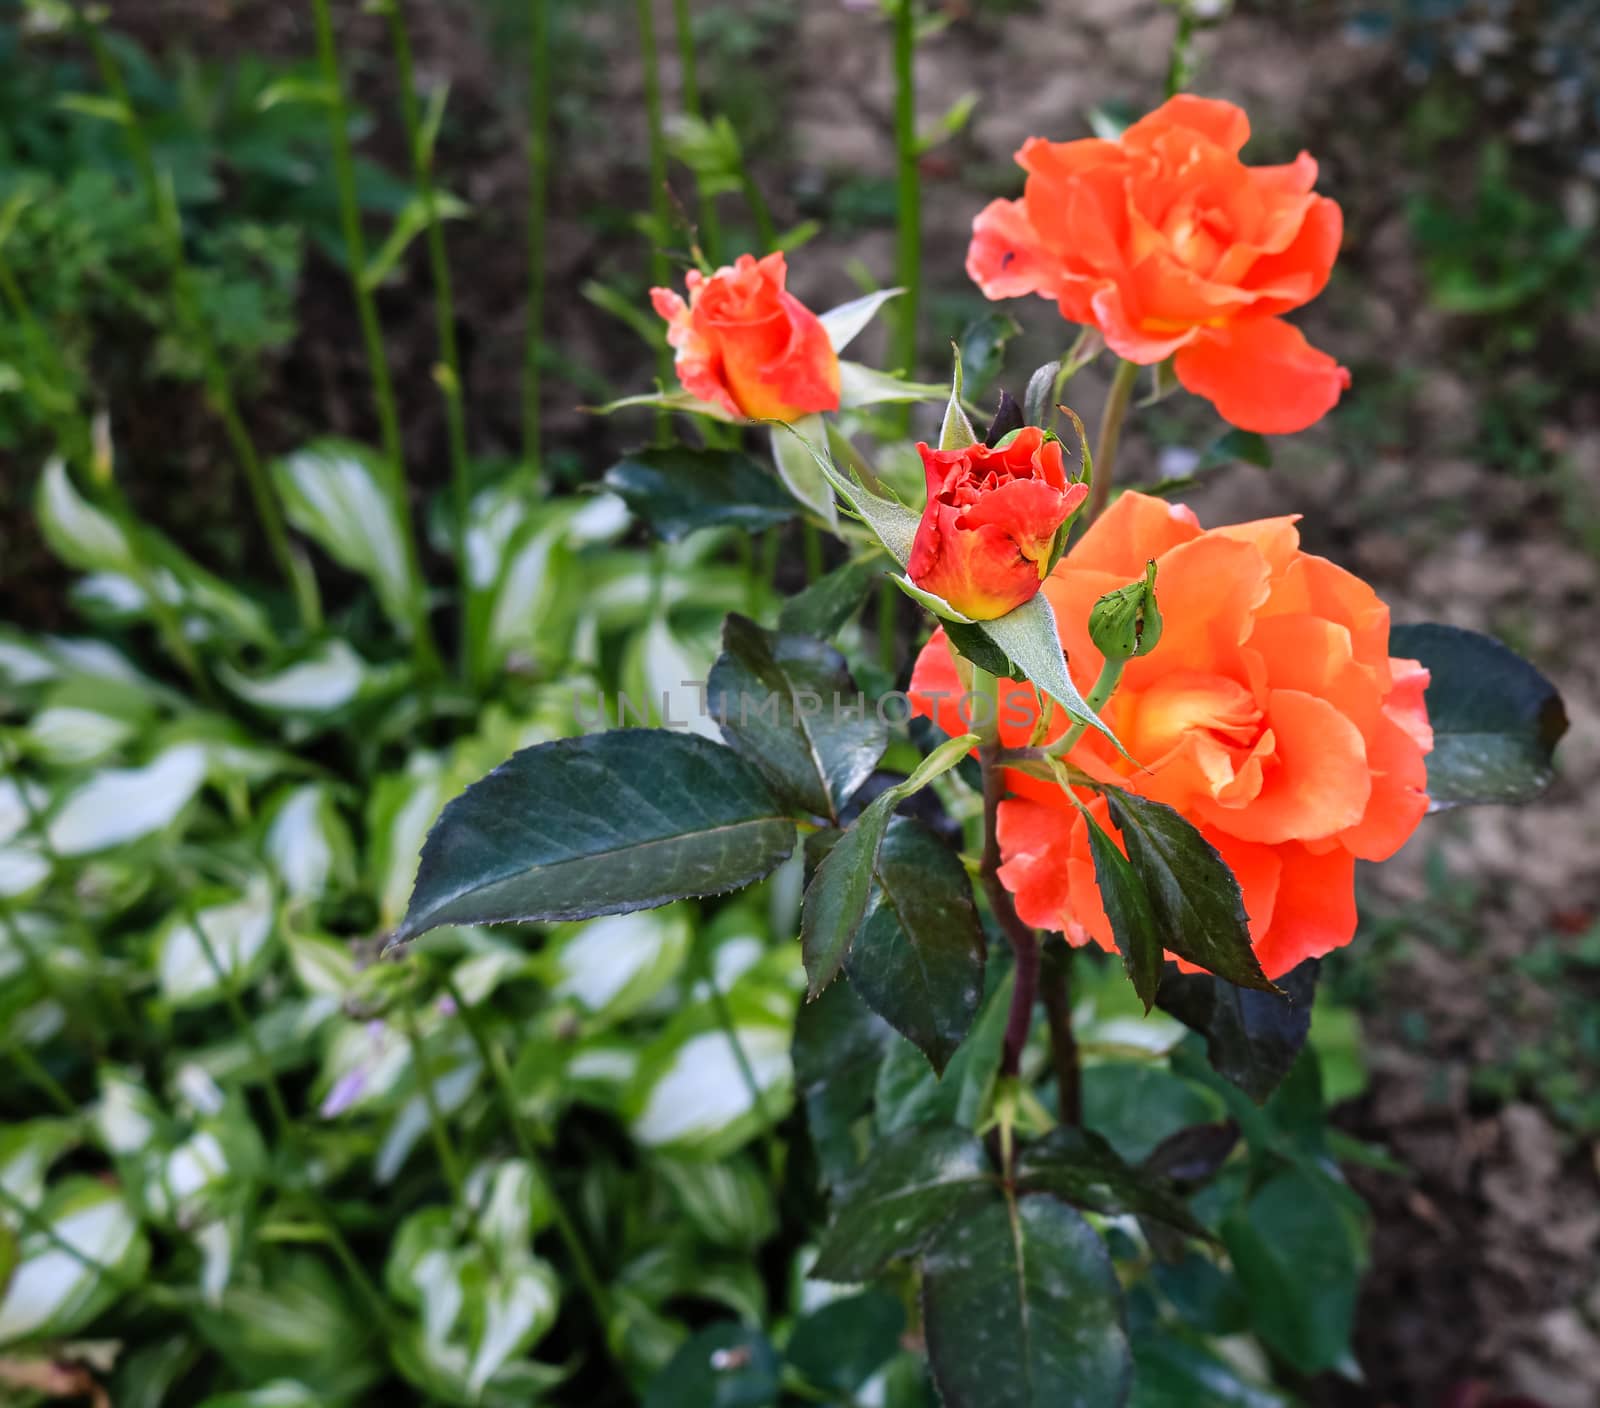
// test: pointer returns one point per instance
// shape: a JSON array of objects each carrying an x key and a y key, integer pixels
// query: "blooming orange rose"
[
  {"x": 1270, "y": 715},
  {"x": 745, "y": 344},
  {"x": 1169, "y": 244},
  {"x": 988, "y": 532}
]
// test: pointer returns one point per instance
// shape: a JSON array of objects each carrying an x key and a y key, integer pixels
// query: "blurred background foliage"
[{"x": 573, "y": 1166}]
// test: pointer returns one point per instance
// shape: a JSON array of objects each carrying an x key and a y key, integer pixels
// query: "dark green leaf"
[
  {"x": 1298, "y": 1253},
  {"x": 835, "y": 902},
  {"x": 724, "y": 1366},
  {"x": 598, "y": 825},
  {"x": 1174, "y": 1373},
  {"x": 1496, "y": 720},
  {"x": 823, "y": 607},
  {"x": 1136, "y": 1107},
  {"x": 913, "y": 1183},
  {"x": 983, "y": 349},
  {"x": 1007, "y": 418},
  {"x": 1133, "y": 919},
  {"x": 1237, "y": 445},
  {"x": 918, "y": 958},
  {"x": 1036, "y": 396},
  {"x": 1079, "y": 1167},
  {"x": 787, "y": 703},
  {"x": 1195, "y": 899},
  {"x": 1251, "y": 1037},
  {"x": 910, "y": 1094},
  {"x": 839, "y": 1043},
  {"x": 677, "y": 490},
  {"x": 977, "y": 647},
  {"x": 1207, "y": 1298},
  {"x": 1195, "y": 1154},
  {"x": 1022, "y": 1309},
  {"x": 842, "y": 1345}
]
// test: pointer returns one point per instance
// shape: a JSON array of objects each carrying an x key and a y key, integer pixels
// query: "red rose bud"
[
  {"x": 746, "y": 344},
  {"x": 994, "y": 519}
]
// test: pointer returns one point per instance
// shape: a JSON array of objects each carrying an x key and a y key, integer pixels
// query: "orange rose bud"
[
  {"x": 745, "y": 344},
  {"x": 988, "y": 534},
  {"x": 1172, "y": 247}
]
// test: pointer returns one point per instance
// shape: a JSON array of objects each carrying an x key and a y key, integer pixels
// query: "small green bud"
[{"x": 1127, "y": 622}]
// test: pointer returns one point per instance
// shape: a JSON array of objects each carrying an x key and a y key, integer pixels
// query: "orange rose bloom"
[
  {"x": 1170, "y": 245},
  {"x": 1270, "y": 715},
  {"x": 990, "y": 524},
  {"x": 745, "y": 344}
]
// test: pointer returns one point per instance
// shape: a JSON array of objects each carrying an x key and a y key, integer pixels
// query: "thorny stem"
[
  {"x": 1055, "y": 988},
  {"x": 449, "y": 375},
  {"x": 1110, "y": 435},
  {"x": 566, "y": 1228},
  {"x": 355, "y": 244},
  {"x": 1024, "y": 942},
  {"x": 291, "y": 562},
  {"x": 538, "y": 185}
]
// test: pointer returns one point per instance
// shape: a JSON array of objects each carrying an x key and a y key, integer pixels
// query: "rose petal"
[{"x": 1262, "y": 375}]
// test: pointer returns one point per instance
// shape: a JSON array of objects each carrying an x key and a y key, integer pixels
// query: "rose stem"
[
  {"x": 423, "y": 648},
  {"x": 538, "y": 186},
  {"x": 1106, "y": 442},
  {"x": 1055, "y": 988},
  {"x": 449, "y": 376},
  {"x": 1024, "y": 942}
]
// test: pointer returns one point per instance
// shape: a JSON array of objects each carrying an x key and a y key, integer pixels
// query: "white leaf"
[
  {"x": 51, "y": 1286},
  {"x": 121, "y": 805},
  {"x": 614, "y": 965},
  {"x": 843, "y": 323},
  {"x": 301, "y": 844},
  {"x": 125, "y": 1118},
  {"x": 80, "y": 534},
  {"x": 518, "y": 1305},
  {"x": 66, "y": 735},
  {"x": 22, "y": 868},
  {"x": 333, "y": 492},
  {"x": 327, "y": 679},
  {"x": 237, "y": 931},
  {"x": 703, "y": 1090}
]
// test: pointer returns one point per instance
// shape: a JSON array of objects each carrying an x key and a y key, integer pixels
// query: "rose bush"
[
  {"x": 1270, "y": 715},
  {"x": 988, "y": 534},
  {"x": 1172, "y": 247},
  {"x": 747, "y": 345}
]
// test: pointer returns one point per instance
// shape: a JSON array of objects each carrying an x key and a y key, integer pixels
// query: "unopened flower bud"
[{"x": 1127, "y": 622}]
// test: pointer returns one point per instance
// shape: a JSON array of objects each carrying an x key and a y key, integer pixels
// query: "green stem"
[
  {"x": 719, "y": 1003},
  {"x": 660, "y": 207},
  {"x": 426, "y": 653},
  {"x": 449, "y": 1161},
  {"x": 1179, "y": 67},
  {"x": 449, "y": 374},
  {"x": 1104, "y": 686},
  {"x": 908, "y": 256},
  {"x": 219, "y": 388},
  {"x": 538, "y": 188},
  {"x": 811, "y": 545},
  {"x": 566, "y": 1228},
  {"x": 1109, "y": 437},
  {"x": 888, "y": 621},
  {"x": 710, "y": 229},
  {"x": 35, "y": 1070}
]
